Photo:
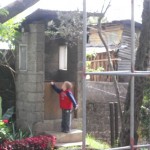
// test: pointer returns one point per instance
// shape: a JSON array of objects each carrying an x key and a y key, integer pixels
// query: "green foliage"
[
  {"x": 144, "y": 130},
  {"x": 96, "y": 144},
  {"x": 91, "y": 143},
  {"x": 8, "y": 31},
  {"x": 3, "y": 12},
  {"x": 91, "y": 54},
  {"x": 68, "y": 26},
  {"x": 9, "y": 132},
  {"x": 0, "y": 108},
  {"x": 89, "y": 69},
  {"x": 4, "y": 131},
  {"x": 18, "y": 134}
]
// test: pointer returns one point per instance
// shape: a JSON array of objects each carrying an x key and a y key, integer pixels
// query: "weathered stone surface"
[
  {"x": 99, "y": 94},
  {"x": 39, "y": 66},
  {"x": 36, "y": 28},
  {"x": 22, "y": 78},
  {"x": 20, "y": 105},
  {"x": 30, "y": 83},
  {"x": 35, "y": 116},
  {"x": 73, "y": 136},
  {"x": 22, "y": 96},
  {"x": 39, "y": 57},
  {"x": 30, "y": 87},
  {"x": 39, "y": 106},
  {"x": 35, "y": 97},
  {"x": 22, "y": 115},
  {"x": 55, "y": 125},
  {"x": 29, "y": 107},
  {"x": 34, "y": 78},
  {"x": 32, "y": 66},
  {"x": 39, "y": 116},
  {"x": 32, "y": 47},
  {"x": 39, "y": 87},
  {"x": 31, "y": 56}
]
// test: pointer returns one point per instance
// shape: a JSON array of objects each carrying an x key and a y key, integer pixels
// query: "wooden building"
[{"x": 117, "y": 35}]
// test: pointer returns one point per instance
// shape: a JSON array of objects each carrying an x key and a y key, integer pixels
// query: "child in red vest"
[{"x": 67, "y": 102}]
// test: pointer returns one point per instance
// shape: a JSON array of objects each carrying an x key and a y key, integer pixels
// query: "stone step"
[
  {"x": 76, "y": 144},
  {"x": 54, "y": 125},
  {"x": 68, "y": 146},
  {"x": 74, "y": 135}
]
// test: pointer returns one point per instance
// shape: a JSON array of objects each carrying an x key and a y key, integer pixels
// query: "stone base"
[
  {"x": 55, "y": 125},
  {"x": 73, "y": 136}
]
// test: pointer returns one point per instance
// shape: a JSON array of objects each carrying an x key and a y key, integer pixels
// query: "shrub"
[
  {"x": 4, "y": 130},
  {"x": 42, "y": 142},
  {"x": 12, "y": 139},
  {"x": 144, "y": 129},
  {"x": 9, "y": 132},
  {"x": 18, "y": 134}
]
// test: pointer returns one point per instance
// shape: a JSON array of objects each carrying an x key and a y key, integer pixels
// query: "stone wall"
[
  {"x": 99, "y": 94},
  {"x": 73, "y": 72},
  {"x": 43, "y": 65},
  {"x": 52, "y": 71},
  {"x": 30, "y": 82}
]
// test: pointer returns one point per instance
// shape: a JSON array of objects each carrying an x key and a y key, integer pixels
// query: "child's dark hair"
[{"x": 68, "y": 85}]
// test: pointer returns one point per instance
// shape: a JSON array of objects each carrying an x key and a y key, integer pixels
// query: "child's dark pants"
[{"x": 66, "y": 120}]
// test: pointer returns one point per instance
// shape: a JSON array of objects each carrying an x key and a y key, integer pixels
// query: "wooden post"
[
  {"x": 116, "y": 120},
  {"x": 111, "y": 106}
]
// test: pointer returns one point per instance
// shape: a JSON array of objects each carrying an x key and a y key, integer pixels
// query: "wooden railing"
[{"x": 100, "y": 60}]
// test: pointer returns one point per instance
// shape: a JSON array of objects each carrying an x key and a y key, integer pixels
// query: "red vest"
[{"x": 65, "y": 102}]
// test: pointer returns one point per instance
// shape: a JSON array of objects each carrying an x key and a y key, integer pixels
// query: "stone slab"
[
  {"x": 74, "y": 135},
  {"x": 55, "y": 125},
  {"x": 58, "y": 145}
]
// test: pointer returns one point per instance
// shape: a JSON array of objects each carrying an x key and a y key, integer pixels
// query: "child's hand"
[
  {"x": 76, "y": 107},
  {"x": 52, "y": 83}
]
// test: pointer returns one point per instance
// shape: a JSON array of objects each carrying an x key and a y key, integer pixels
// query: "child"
[{"x": 67, "y": 102}]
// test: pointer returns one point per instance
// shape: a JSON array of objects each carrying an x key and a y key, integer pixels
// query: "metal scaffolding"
[{"x": 131, "y": 73}]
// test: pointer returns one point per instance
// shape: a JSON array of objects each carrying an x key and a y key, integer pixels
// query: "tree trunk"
[
  {"x": 141, "y": 63},
  {"x": 15, "y": 8}
]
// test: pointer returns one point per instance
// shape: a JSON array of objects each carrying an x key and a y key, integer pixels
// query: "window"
[
  {"x": 23, "y": 57},
  {"x": 63, "y": 57}
]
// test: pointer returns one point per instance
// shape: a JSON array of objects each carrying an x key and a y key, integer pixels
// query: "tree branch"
[
  {"x": 110, "y": 61},
  {"x": 15, "y": 8}
]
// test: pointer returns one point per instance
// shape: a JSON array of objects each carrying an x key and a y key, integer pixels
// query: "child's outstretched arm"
[
  {"x": 70, "y": 95},
  {"x": 58, "y": 90}
]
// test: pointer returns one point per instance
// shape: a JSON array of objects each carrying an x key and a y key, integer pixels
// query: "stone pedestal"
[{"x": 30, "y": 82}]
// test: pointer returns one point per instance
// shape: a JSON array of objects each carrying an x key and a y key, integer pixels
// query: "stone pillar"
[
  {"x": 30, "y": 83},
  {"x": 80, "y": 77}
]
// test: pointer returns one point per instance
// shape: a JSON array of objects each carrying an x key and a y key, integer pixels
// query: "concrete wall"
[
  {"x": 74, "y": 71},
  {"x": 99, "y": 94},
  {"x": 52, "y": 71},
  {"x": 43, "y": 65},
  {"x": 30, "y": 83}
]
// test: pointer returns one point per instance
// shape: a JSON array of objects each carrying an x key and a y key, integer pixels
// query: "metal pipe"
[
  {"x": 128, "y": 147},
  {"x": 120, "y": 148},
  {"x": 84, "y": 84},
  {"x": 121, "y": 73},
  {"x": 141, "y": 146},
  {"x": 132, "y": 77}
]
